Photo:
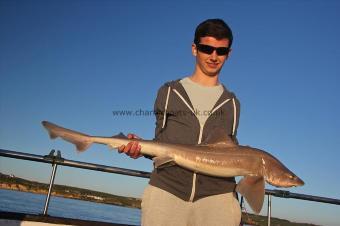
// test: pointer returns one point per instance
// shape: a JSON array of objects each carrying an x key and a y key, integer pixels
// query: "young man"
[{"x": 187, "y": 111}]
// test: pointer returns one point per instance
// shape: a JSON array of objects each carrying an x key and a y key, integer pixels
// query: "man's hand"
[{"x": 133, "y": 148}]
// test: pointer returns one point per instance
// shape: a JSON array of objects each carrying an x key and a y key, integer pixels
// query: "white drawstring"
[
  {"x": 235, "y": 117},
  {"x": 166, "y": 107},
  {"x": 220, "y": 105},
  {"x": 186, "y": 103}
]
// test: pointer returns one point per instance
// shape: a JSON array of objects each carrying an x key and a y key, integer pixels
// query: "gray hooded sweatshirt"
[{"x": 176, "y": 122}]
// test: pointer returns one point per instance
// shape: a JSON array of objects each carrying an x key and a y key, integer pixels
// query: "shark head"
[
  {"x": 289, "y": 180},
  {"x": 282, "y": 177},
  {"x": 279, "y": 175}
]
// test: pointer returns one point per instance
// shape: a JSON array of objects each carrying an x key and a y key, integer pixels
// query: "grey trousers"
[{"x": 160, "y": 208}]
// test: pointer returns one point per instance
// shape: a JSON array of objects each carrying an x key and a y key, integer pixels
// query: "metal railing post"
[
  {"x": 54, "y": 169},
  {"x": 269, "y": 213},
  {"x": 54, "y": 159}
]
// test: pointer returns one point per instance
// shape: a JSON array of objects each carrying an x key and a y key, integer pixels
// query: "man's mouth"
[{"x": 212, "y": 65}]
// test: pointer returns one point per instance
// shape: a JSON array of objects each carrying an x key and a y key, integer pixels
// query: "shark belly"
[{"x": 214, "y": 166}]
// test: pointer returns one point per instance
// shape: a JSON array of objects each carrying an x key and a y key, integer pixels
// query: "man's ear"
[{"x": 194, "y": 49}]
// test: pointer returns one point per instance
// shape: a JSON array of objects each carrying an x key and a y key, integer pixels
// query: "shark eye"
[{"x": 292, "y": 177}]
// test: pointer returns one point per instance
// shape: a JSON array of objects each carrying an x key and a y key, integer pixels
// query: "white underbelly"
[{"x": 211, "y": 167}]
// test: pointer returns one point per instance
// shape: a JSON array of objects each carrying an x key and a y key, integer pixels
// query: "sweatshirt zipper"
[{"x": 193, "y": 188}]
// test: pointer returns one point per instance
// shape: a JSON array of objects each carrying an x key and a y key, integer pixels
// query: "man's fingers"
[
  {"x": 137, "y": 153},
  {"x": 121, "y": 148},
  {"x": 137, "y": 150},
  {"x": 132, "y": 148},
  {"x": 127, "y": 148}
]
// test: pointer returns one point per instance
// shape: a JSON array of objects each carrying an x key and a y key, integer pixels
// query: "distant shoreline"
[{"x": 10, "y": 182}]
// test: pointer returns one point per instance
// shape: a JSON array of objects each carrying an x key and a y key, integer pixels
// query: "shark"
[{"x": 217, "y": 156}]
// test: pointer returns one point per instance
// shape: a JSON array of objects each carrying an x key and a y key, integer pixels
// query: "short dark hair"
[{"x": 216, "y": 28}]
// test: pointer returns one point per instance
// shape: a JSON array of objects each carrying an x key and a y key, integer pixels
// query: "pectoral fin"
[
  {"x": 252, "y": 188},
  {"x": 163, "y": 161}
]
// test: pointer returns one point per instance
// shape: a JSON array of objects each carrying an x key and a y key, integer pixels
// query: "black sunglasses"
[{"x": 221, "y": 51}]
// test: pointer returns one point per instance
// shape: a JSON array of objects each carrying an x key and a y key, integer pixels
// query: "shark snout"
[
  {"x": 295, "y": 181},
  {"x": 299, "y": 182}
]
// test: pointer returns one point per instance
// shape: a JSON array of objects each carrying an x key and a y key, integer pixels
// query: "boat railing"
[{"x": 56, "y": 159}]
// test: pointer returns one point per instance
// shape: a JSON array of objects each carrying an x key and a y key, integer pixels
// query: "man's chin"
[{"x": 213, "y": 73}]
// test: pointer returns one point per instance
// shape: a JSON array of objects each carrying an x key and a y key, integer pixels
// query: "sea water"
[{"x": 25, "y": 202}]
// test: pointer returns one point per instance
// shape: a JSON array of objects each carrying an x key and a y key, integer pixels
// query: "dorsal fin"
[
  {"x": 218, "y": 137},
  {"x": 120, "y": 135}
]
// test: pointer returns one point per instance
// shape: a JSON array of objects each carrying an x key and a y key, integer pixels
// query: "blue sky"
[{"x": 74, "y": 62}]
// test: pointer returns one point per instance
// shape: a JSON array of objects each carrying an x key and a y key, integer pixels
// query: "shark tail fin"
[
  {"x": 80, "y": 140},
  {"x": 252, "y": 188}
]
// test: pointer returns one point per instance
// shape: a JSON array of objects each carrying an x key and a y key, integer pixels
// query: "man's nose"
[{"x": 214, "y": 55}]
